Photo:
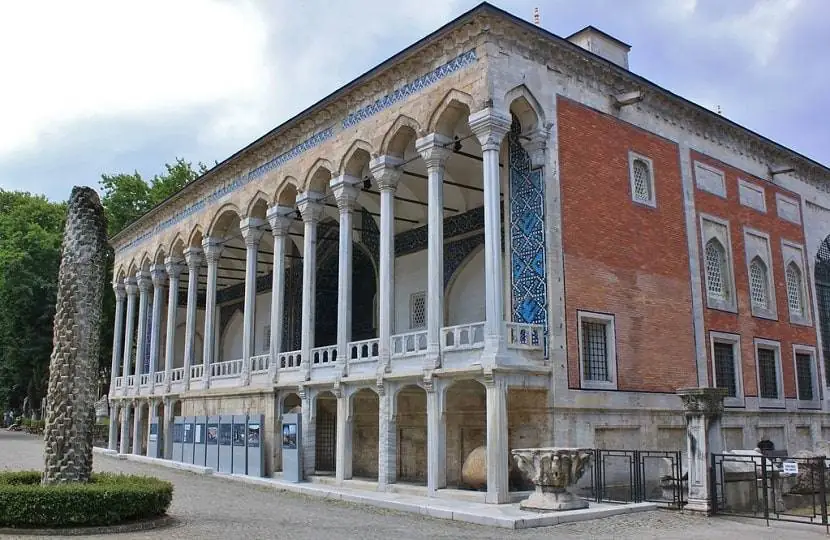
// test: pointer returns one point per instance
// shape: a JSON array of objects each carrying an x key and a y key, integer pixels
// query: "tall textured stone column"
[
  {"x": 703, "y": 408},
  {"x": 193, "y": 257},
  {"x": 213, "y": 251},
  {"x": 168, "y": 428},
  {"x": 343, "y": 438},
  {"x": 137, "y": 425},
  {"x": 345, "y": 191},
  {"x": 311, "y": 209},
  {"x": 159, "y": 280},
  {"x": 386, "y": 171},
  {"x": 129, "y": 332},
  {"x": 118, "y": 333},
  {"x": 309, "y": 420},
  {"x": 498, "y": 459},
  {"x": 115, "y": 408},
  {"x": 144, "y": 285},
  {"x": 490, "y": 127},
  {"x": 436, "y": 437},
  {"x": 174, "y": 272},
  {"x": 73, "y": 366},
  {"x": 252, "y": 233},
  {"x": 279, "y": 217},
  {"x": 126, "y": 427},
  {"x": 387, "y": 437},
  {"x": 434, "y": 151}
]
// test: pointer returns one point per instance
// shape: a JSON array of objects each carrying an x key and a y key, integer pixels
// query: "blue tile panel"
[{"x": 456, "y": 64}]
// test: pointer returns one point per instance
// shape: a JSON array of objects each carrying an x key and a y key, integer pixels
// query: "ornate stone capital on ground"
[
  {"x": 490, "y": 126},
  {"x": 553, "y": 471},
  {"x": 434, "y": 149},
  {"x": 702, "y": 401},
  {"x": 386, "y": 170}
]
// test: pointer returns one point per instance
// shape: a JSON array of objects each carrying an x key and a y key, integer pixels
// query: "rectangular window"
[
  {"x": 597, "y": 350},
  {"x": 266, "y": 339},
  {"x": 725, "y": 376},
  {"x": 418, "y": 310},
  {"x": 804, "y": 374},
  {"x": 767, "y": 374}
]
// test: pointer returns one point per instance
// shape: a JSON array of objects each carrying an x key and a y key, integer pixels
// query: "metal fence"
[
  {"x": 631, "y": 476},
  {"x": 771, "y": 488}
]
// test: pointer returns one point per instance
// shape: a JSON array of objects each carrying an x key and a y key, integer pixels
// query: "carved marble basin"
[{"x": 553, "y": 471}]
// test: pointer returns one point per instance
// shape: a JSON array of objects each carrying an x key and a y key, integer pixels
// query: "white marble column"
[
  {"x": 168, "y": 429},
  {"x": 490, "y": 126},
  {"x": 159, "y": 280},
  {"x": 115, "y": 407},
  {"x": 387, "y": 172},
  {"x": 387, "y": 437},
  {"x": 343, "y": 438},
  {"x": 279, "y": 217},
  {"x": 137, "y": 428},
  {"x": 129, "y": 332},
  {"x": 212, "y": 248},
  {"x": 345, "y": 192},
  {"x": 252, "y": 233},
  {"x": 124, "y": 443},
  {"x": 311, "y": 209},
  {"x": 174, "y": 272},
  {"x": 144, "y": 285},
  {"x": 309, "y": 435},
  {"x": 117, "y": 334},
  {"x": 436, "y": 439},
  {"x": 434, "y": 151},
  {"x": 193, "y": 256},
  {"x": 152, "y": 414},
  {"x": 497, "y": 457}
]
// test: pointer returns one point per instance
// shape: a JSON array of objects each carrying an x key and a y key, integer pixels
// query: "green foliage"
[{"x": 106, "y": 500}]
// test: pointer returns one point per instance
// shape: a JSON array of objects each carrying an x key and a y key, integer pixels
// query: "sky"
[{"x": 95, "y": 87}]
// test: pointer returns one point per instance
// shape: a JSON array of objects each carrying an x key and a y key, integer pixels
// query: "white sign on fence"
[{"x": 790, "y": 467}]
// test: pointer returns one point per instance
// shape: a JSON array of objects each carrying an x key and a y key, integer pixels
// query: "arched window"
[
  {"x": 717, "y": 284},
  {"x": 794, "y": 289},
  {"x": 758, "y": 283},
  {"x": 642, "y": 181}
]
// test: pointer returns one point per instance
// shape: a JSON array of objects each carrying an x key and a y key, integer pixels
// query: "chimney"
[{"x": 602, "y": 44}]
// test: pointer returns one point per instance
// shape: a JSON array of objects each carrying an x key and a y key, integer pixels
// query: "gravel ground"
[{"x": 209, "y": 507}]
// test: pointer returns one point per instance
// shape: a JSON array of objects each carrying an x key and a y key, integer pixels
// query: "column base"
[
  {"x": 699, "y": 506},
  {"x": 553, "y": 501}
]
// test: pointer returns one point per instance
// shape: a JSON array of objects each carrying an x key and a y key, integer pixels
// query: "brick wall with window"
[
  {"x": 771, "y": 294},
  {"x": 625, "y": 255}
]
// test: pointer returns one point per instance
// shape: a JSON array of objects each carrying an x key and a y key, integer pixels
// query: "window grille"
[
  {"x": 716, "y": 270},
  {"x": 794, "y": 288},
  {"x": 804, "y": 374},
  {"x": 758, "y": 284},
  {"x": 418, "y": 310},
  {"x": 767, "y": 374},
  {"x": 266, "y": 339},
  {"x": 595, "y": 351},
  {"x": 642, "y": 181},
  {"x": 725, "y": 375}
]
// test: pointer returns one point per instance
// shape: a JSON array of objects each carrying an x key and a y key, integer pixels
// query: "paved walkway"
[{"x": 211, "y": 507}]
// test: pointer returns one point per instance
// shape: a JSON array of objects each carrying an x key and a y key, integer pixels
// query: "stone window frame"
[
  {"x": 709, "y": 168},
  {"x": 771, "y": 311},
  {"x": 814, "y": 403},
  {"x": 746, "y": 184},
  {"x": 266, "y": 339},
  {"x": 779, "y": 197},
  {"x": 633, "y": 157},
  {"x": 609, "y": 320},
  {"x": 729, "y": 304},
  {"x": 787, "y": 252},
  {"x": 414, "y": 299},
  {"x": 770, "y": 403},
  {"x": 735, "y": 341}
]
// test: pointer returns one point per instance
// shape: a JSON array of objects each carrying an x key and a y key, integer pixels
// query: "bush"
[{"x": 108, "y": 499}]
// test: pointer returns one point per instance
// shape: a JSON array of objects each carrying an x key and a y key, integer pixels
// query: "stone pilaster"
[
  {"x": 497, "y": 455},
  {"x": 343, "y": 447},
  {"x": 703, "y": 409},
  {"x": 436, "y": 436}
]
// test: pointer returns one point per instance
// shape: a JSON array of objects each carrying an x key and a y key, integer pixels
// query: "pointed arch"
[
  {"x": 319, "y": 176},
  {"x": 356, "y": 158},
  {"x": 717, "y": 285},
  {"x": 404, "y": 129},
  {"x": 258, "y": 206},
  {"x": 132, "y": 268},
  {"x": 795, "y": 288},
  {"x": 286, "y": 194},
  {"x": 194, "y": 239},
  {"x": 524, "y": 105},
  {"x": 223, "y": 219},
  {"x": 455, "y": 106},
  {"x": 758, "y": 283},
  {"x": 146, "y": 261},
  {"x": 177, "y": 247},
  {"x": 119, "y": 274},
  {"x": 160, "y": 255}
]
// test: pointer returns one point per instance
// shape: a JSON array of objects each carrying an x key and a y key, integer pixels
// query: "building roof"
[
  {"x": 413, "y": 49},
  {"x": 594, "y": 29}
]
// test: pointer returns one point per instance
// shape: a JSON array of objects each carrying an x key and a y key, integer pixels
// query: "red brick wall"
[
  {"x": 622, "y": 257},
  {"x": 743, "y": 322}
]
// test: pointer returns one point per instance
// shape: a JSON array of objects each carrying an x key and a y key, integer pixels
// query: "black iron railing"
[{"x": 631, "y": 476}]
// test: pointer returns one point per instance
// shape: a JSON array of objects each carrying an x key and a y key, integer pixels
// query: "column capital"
[
  {"x": 120, "y": 291},
  {"x": 308, "y": 202},
  {"x": 193, "y": 257},
  {"x": 159, "y": 275},
  {"x": 131, "y": 286},
  {"x": 280, "y": 219},
  {"x": 703, "y": 401},
  {"x": 251, "y": 230},
  {"x": 490, "y": 126},
  {"x": 345, "y": 191},
  {"x": 212, "y": 248},
  {"x": 434, "y": 149},
  {"x": 536, "y": 143},
  {"x": 173, "y": 267},
  {"x": 144, "y": 280},
  {"x": 386, "y": 170}
]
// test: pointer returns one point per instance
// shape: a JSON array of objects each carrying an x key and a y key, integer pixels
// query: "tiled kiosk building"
[{"x": 497, "y": 236}]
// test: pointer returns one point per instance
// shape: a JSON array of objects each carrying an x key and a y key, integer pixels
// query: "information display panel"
[
  {"x": 212, "y": 443},
  {"x": 153, "y": 439},
  {"x": 178, "y": 438},
  {"x": 225, "y": 447},
  {"x": 291, "y": 441},
  {"x": 187, "y": 440},
  {"x": 239, "y": 444},
  {"x": 256, "y": 454},
  {"x": 199, "y": 443}
]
